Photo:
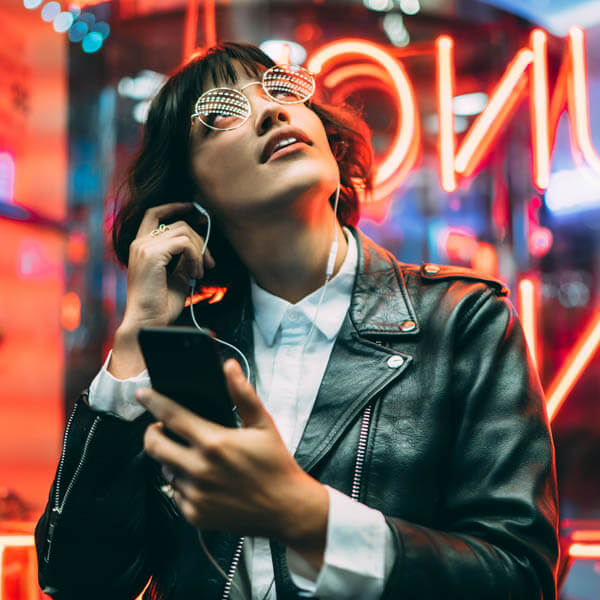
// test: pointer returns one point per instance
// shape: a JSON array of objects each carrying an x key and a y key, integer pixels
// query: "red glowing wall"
[{"x": 33, "y": 110}]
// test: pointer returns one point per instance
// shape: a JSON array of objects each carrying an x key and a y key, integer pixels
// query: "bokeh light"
[
  {"x": 379, "y": 5},
  {"x": 78, "y": 31},
  {"x": 393, "y": 25},
  {"x": 469, "y": 104},
  {"x": 102, "y": 28},
  {"x": 88, "y": 18},
  {"x": 62, "y": 21},
  {"x": 284, "y": 51},
  {"x": 410, "y": 7},
  {"x": 50, "y": 10},
  {"x": 92, "y": 42},
  {"x": 31, "y": 4}
]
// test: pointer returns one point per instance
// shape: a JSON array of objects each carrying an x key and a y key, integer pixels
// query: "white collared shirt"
[{"x": 359, "y": 550}]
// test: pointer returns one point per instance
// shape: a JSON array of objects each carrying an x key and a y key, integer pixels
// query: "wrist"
[
  {"x": 304, "y": 524},
  {"x": 126, "y": 358}
]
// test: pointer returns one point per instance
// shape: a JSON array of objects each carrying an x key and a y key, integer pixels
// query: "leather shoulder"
[{"x": 432, "y": 272}]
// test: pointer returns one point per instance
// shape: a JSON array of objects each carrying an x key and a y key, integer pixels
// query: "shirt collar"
[{"x": 270, "y": 310}]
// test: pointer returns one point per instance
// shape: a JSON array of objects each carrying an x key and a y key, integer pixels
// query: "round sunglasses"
[{"x": 224, "y": 108}]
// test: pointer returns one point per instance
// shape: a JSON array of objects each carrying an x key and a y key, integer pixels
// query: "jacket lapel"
[
  {"x": 358, "y": 367},
  {"x": 357, "y": 371}
]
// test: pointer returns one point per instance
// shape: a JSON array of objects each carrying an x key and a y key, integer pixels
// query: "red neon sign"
[
  {"x": 527, "y": 309},
  {"x": 403, "y": 153},
  {"x": 529, "y": 66},
  {"x": 212, "y": 294},
  {"x": 575, "y": 364}
]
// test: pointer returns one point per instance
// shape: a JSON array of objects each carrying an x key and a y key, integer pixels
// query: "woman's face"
[{"x": 241, "y": 175}]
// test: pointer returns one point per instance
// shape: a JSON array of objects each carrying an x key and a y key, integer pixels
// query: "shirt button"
[
  {"x": 407, "y": 325},
  {"x": 293, "y": 316},
  {"x": 393, "y": 362}
]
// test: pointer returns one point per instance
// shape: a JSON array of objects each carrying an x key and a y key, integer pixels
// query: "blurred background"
[{"x": 486, "y": 130}]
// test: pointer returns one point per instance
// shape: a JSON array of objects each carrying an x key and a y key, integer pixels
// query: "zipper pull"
[{"x": 51, "y": 526}]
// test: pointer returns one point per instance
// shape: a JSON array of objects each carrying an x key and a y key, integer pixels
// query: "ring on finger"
[
  {"x": 168, "y": 490},
  {"x": 160, "y": 229}
]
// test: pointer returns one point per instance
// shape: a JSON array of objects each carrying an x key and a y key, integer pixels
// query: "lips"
[{"x": 279, "y": 139}]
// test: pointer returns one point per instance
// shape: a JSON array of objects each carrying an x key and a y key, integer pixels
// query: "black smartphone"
[{"x": 184, "y": 364}]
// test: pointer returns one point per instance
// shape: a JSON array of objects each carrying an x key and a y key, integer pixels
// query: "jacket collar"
[{"x": 380, "y": 302}]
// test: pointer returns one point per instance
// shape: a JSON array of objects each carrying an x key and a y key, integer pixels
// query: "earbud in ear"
[
  {"x": 204, "y": 212},
  {"x": 201, "y": 209}
]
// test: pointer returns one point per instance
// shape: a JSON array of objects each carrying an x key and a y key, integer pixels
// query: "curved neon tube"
[{"x": 405, "y": 132}]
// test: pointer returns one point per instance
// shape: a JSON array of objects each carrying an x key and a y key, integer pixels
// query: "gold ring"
[{"x": 161, "y": 229}]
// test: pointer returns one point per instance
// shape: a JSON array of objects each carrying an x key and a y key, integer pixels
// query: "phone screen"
[{"x": 184, "y": 364}]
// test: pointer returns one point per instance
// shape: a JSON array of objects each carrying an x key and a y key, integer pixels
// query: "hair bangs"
[{"x": 221, "y": 64}]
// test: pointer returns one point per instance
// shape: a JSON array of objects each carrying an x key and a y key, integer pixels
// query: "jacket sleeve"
[
  {"x": 497, "y": 534},
  {"x": 93, "y": 539}
]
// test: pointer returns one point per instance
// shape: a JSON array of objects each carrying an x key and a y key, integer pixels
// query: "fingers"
[
  {"x": 244, "y": 396},
  {"x": 178, "y": 418},
  {"x": 188, "y": 509},
  {"x": 192, "y": 263},
  {"x": 155, "y": 215},
  {"x": 179, "y": 238},
  {"x": 174, "y": 457},
  {"x": 184, "y": 228}
]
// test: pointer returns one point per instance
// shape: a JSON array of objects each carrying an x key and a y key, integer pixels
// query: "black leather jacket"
[{"x": 429, "y": 411}]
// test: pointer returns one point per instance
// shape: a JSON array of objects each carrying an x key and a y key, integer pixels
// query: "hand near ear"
[{"x": 161, "y": 262}]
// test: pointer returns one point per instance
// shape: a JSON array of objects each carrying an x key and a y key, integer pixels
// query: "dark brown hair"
[{"x": 160, "y": 172}]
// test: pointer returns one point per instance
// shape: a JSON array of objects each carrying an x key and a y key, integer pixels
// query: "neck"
[{"x": 288, "y": 257}]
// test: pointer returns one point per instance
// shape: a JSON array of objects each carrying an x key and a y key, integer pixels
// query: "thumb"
[{"x": 244, "y": 396}]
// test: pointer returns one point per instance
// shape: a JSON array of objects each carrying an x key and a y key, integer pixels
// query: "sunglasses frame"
[{"x": 196, "y": 114}]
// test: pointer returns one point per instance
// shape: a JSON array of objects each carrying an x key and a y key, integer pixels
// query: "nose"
[{"x": 268, "y": 112}]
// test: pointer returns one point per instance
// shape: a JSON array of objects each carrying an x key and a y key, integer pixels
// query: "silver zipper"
[
  {"x": 361, "y": 451},
  {"x": 58, "y": 505},
  {"x": 62, "y": 460},
  {"x": 232, "y": 568}
]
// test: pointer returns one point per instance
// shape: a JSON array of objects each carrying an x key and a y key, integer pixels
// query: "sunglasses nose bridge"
[
  {"x": 257, "y": 97},
  {"x": 250, "y": 84}
]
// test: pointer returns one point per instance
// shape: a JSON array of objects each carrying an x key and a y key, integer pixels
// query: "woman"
[{"x": 395, "y": 441}]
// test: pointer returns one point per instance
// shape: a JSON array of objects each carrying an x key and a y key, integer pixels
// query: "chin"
[
  {"x": 310, "y": 174},
  {"x": 287, "y": 184}
]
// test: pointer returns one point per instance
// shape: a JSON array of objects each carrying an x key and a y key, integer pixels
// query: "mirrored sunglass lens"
[
  {"x": 222, "y": 108},
  {"x": 289, "y": 84}
]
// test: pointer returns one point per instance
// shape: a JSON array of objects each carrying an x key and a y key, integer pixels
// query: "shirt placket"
[{"x": 285, "y": 388}]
